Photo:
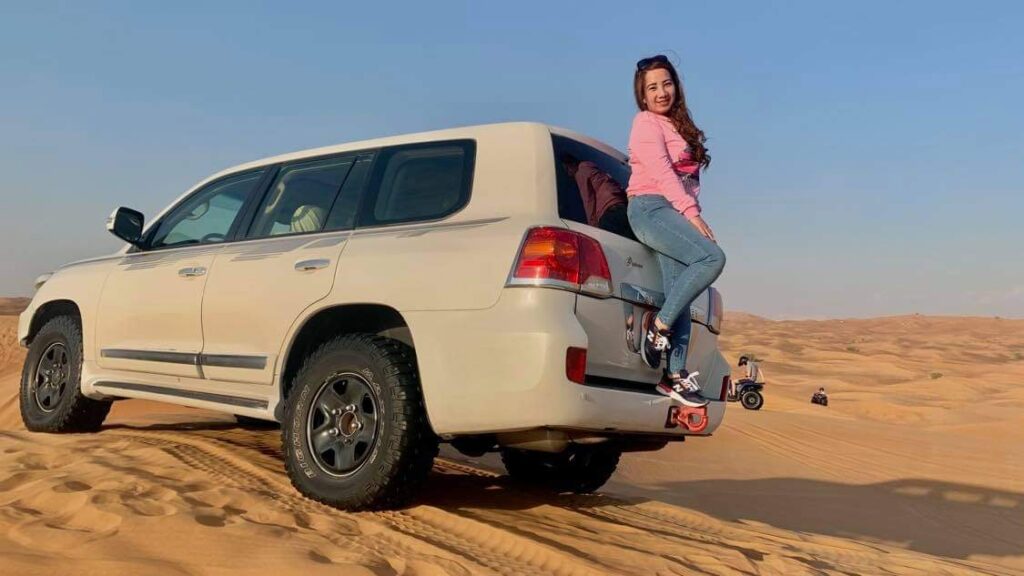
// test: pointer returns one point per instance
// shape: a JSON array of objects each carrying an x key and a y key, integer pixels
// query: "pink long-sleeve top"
[{"x": 662, "y": 163}]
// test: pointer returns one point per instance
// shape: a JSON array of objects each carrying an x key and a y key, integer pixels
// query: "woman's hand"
[{"x": 702, "y": 227}]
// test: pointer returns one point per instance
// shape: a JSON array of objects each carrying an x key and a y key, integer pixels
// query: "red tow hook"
[{"x": 693, "y": 419}]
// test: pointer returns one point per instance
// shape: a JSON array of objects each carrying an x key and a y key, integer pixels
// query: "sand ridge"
[
  {"x": 13, "y": 306},
  {"x": 788, "y": 490}
]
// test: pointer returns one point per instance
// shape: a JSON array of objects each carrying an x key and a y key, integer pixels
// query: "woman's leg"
[
  {"x": 658, "y": 225},
  {"x": 679, "y": 341}
]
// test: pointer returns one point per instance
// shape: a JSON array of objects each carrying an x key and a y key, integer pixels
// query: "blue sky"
[{"x": 868, "y": 157}]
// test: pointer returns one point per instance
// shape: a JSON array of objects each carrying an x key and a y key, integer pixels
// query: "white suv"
[{"x": 378, "y": 298}]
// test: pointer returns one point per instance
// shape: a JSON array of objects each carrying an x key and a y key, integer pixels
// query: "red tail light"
[
  {"x": 562, "y": 259},
  {"x": 576, "y": 364},
  {"x": 726, "y": 380}
]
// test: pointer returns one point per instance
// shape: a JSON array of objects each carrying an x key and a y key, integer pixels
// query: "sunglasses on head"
[{"x": 645, "y": 62}]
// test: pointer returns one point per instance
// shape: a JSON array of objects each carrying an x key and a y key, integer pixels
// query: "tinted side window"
[
  {"x": 343, "y": 213},
  {"x": 207, "y": 215},
  {"x": 570, "y": 203},
  {"x": 300, "y": 198},
  {"x": 419, "y": 182}
]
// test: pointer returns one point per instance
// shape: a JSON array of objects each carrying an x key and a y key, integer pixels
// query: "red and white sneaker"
[{"x": 683, "y": 388}]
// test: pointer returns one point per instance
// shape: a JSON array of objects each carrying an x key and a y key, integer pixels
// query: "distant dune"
[
  {"x": 916, "y": 467},
  {"x": 13, "y": 306},
  {"x": 897, "y": 369}
]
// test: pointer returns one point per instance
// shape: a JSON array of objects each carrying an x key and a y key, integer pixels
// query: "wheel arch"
[
  {"x": 50, "y": 310},
  {"x": 328, "y": 322}
]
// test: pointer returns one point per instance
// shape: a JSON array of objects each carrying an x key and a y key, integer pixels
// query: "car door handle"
[
  {"x": 314, "y": 264},
  {"x": 191, "y": 271}
]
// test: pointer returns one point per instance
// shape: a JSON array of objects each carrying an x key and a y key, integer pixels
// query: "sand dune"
[
  {"x": 903, "y": 369},
  {"x": 12, "y": 306},
  {"x": 11, "y": 354},
  {"x": 898, "y": 476}
]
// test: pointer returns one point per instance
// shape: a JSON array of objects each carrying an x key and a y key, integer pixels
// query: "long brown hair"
[{"x": 679, "y": 114}]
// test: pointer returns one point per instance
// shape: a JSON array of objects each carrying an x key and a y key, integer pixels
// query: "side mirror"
[{"x": 126, "y": 224}]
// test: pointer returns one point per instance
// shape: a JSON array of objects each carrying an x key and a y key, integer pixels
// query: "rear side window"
[
  {"x": 301, "y": 197},
  {"x": 570, "y": 200},
  {"x": 419, "y": 182}
]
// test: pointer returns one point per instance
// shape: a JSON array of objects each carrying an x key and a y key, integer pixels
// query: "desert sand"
[{"x": 917, "y": 467}]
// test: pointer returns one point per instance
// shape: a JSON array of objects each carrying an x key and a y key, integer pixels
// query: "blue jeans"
[{"x": 689, "y": 264}]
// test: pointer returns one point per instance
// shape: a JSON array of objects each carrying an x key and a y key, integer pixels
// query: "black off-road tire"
[
  {"x": 752, "y": 400},
  {"x": 68, "y": 410},
  {"x": 580, "y": 470},
  {"x": 404, "y": 448}
]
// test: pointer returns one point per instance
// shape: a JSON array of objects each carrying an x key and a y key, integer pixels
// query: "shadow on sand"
[{"x": 939, "y": 518}]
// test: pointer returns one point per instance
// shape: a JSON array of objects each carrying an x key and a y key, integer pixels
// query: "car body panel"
[
  {"x": 149, "y": 316},
  {"x": 255, "y": 292}
]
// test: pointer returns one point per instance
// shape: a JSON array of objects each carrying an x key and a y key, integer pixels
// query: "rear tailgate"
[{"x": 613, "y": 324}]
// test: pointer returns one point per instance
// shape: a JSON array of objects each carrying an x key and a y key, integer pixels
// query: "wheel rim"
[
  {"x": 751, "y": 400},
  {"x": 50, "y": 379},
  {"x": 342, "y": 426}
]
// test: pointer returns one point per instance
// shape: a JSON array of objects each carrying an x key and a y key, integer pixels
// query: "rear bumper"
[
  {"x": 502, "y": 369},
  {"x": 616, "y": 412}
]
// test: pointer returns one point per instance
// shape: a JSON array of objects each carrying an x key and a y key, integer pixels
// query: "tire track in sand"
[
  {"x": 696, "y": 529},
  {"x": 489, "y": 549}
]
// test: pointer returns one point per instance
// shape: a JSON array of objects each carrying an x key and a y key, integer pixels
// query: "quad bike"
[
  {"x": 747, "y": 393},
  {"x": 820, "y": 398}
]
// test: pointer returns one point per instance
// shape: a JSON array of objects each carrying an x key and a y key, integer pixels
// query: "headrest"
[{"x": 308, "y": 218}]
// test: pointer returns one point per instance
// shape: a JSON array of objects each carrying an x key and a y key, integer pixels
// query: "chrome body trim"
[
  {"x": 151, "y": 356},
  {"x": 233, "y": 361},
  {"x": 543, "y": 282},
  {"x": 219, "y": 360}
]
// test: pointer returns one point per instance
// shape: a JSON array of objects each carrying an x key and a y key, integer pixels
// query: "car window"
[
  {"x": 343, "y": 213},
  {"x": 570, "y": 201},
  {"x": 206, "y": 216},
  {"x": 300, "y": 198},
  {"x": 419, "y": 182}
]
